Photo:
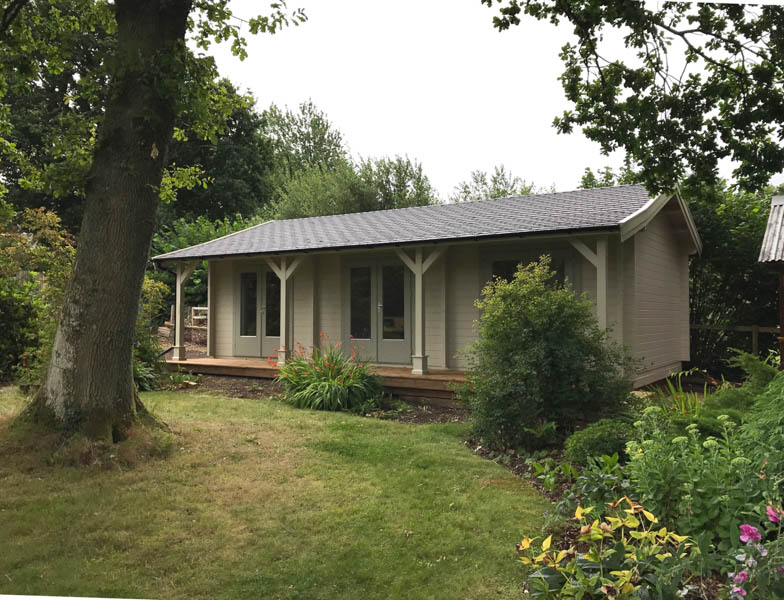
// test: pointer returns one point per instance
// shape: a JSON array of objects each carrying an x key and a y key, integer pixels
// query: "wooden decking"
[{"x": 434, "y": 387}]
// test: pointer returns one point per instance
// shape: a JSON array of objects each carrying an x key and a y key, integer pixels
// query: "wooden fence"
[{"x": 755, "y": 330}]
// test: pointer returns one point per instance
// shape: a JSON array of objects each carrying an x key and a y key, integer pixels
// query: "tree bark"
[{"x": 89, "y": 384}]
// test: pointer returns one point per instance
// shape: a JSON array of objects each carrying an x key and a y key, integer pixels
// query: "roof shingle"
[
  {"x": 773, "y": 243},
  {"x": 592, "y": 209}
]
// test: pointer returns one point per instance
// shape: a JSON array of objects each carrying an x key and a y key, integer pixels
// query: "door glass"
[
  {"x": 360, "y": 303},
  {"x": 248, "y": 292},
  {"x": 272, "y": 314},
  {"x": 393, "y": 299}
]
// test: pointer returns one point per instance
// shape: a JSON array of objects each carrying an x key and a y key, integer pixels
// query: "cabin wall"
[
  {"x": 222, "y": 287},
  {"x": 435, "y": 314},
  {"x": 329, "y": 301},
  {"x": 462, "y": 289},
  {"x": 304, "y": 299},
  {"x": 661, "y": 267}
]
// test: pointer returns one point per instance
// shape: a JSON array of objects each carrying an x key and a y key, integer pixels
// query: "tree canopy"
[
  {"x": 153, "y": 83},
  {"x": 697, "y": 83},
  {"x": 483, "y": 185}
]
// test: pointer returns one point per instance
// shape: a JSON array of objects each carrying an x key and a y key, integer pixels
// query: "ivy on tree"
[{"x": 698, "y": 83}]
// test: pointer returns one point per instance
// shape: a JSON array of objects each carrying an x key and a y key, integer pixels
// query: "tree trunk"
[{"x": 89, "y": 385}]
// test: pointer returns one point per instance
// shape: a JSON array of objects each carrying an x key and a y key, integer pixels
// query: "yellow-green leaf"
[{"x": 546, "y": 543}]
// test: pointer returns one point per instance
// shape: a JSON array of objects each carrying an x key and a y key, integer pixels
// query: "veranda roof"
[{"x": 597, "y": 209}]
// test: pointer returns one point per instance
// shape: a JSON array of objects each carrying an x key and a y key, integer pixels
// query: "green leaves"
[
  {"x": 697, "y": 83},
  {"x": 540, "y": 356},
  {"x": 324, "y": 378}
]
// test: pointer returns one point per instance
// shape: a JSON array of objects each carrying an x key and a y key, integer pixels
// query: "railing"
[
  {"x": 755, "y": 330},
  {"x": 199, "y": 315}
]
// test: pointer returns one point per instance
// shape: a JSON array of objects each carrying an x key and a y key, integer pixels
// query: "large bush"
[
  {"x": 540, "y": 357},
  {"x": 35, "y": 262}
]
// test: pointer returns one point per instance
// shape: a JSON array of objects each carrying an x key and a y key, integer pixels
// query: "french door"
[
  {"x": 379, "y": 311},
  {"x": 257, "y": 307}
]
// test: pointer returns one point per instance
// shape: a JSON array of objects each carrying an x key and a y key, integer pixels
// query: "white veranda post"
[
  {"x": 284, "y": 270},
  {"x": 184, "y": 271},
  {"x": 419, "y": 266},
  {"x": 599, "y": 260}
]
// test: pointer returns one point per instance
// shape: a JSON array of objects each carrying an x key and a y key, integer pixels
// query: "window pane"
[
  {"x": 272, "y": 314},
  {"x": 360, "y": 303},
  {"x": 248, "y": 304},
  {"x": 393, "y": 298},
  {"x": 505, "y": 269}
]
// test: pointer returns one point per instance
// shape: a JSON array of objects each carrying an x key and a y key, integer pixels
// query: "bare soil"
[{"x": 234, "y": 387}]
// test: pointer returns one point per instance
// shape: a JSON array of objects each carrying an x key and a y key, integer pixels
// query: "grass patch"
[{"x": 259, "y": 500}]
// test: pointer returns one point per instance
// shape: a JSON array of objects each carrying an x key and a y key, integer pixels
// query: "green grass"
[{"x": 264, "y": 501}]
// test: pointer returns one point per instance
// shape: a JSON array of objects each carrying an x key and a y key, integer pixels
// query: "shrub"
[
  {"x": 598, "y": 483},
  {"x": 147, "y": 364},
  {"x": 35, "y": 263},
  {"x": 697, "y": 486},
  {"x": 326, "y": 379},
  {"x": 540, "y": 357},
  {"x": 604, "y": 437},
  {"x": 622, "y": 554}
]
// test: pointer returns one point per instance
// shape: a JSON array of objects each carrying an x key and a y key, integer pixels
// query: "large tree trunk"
[{"x": 89, "y": 385}]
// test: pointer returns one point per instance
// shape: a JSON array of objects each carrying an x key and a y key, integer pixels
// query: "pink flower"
[
  {"x": 749, "y": 533},
  {"x": 774, "y": 514},
  {"x": 741, "y": 577},
  {"x": 780, "y": 569},
  {"x": 739, "y": 591}
]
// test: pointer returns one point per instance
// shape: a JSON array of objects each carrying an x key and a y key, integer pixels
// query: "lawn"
[{"x": 260, "y": 500}]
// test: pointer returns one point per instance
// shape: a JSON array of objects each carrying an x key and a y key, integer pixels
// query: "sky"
[{"x": 431, "y": 79}]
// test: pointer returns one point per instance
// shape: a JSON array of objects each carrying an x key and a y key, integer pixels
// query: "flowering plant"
[
  {"x": 761, "y": 572},
  {"x": 324, "y": 378},
  {"x": 623, "y": 554}
]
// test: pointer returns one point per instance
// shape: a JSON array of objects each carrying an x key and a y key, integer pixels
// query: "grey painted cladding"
[
  {"x": 773, "y": 243},
  {"x": 579, "y": 210}
]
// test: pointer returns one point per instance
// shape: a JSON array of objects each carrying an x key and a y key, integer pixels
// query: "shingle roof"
[
  {"x": 773, "y": 243},
  {"x": 579, "y": 210}
]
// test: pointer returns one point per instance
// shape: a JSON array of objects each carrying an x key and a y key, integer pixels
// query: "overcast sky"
[{"x": 428, "y": 78}]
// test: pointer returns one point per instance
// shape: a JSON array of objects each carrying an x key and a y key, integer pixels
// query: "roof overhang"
[
  {"x": 165, "y": 260},
  {"x": 638, "y": 220}
]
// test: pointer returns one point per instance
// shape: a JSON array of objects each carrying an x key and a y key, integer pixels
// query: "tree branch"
[{"x": 10, "y": 12}]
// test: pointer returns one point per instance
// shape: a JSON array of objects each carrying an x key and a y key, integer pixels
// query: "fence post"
[{"x": 755, "y": 340}]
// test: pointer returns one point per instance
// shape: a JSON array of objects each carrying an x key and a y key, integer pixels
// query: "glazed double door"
[
  {"x": 258, "y": 306},
  {"x": 379, "y": 311}
]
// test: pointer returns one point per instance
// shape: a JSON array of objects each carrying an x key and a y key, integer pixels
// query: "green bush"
[
  {"x": 540, "y": 357},
  {"x": 326, "y": 379},
  {"x": 604, "y": 437},
  {"x": 699, "y": 486},
  {"x": 737, "y": 403},
  {"x": 147, "y": 364},
  {"x": 35, "y": 263},
  {"x": 621, "y": 552},
  {"x": 600, "y": 482}
]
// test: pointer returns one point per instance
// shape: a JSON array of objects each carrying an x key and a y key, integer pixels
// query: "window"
[
  {"x": 505, "y": 269},
  {"x": 248, "y": 294},
  {"x": 393, "y": 298},
  {"x": 359, "y": 302},
  {"x": 272, "y": 314}
]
